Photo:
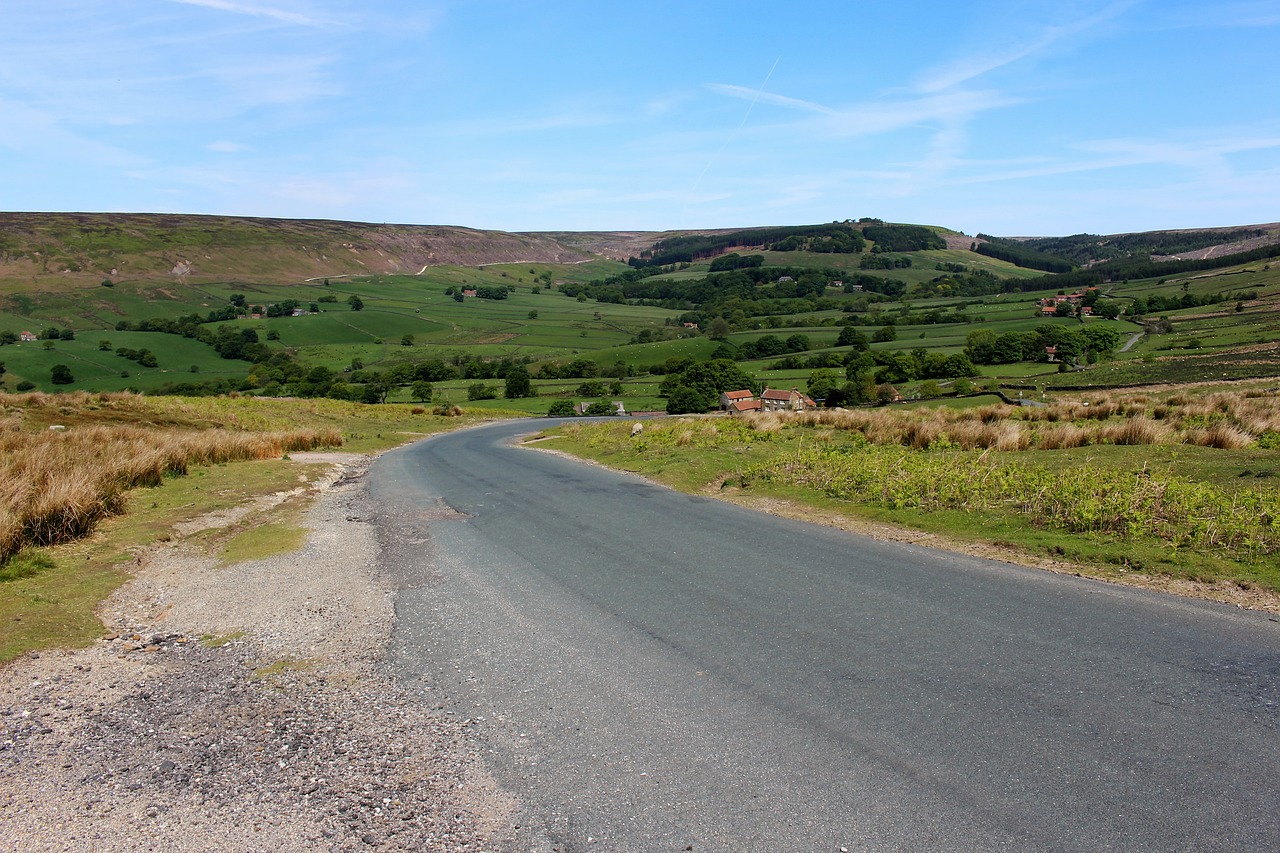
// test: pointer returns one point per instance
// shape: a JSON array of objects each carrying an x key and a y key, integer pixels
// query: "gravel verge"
[{"x": 242, "y": 708}]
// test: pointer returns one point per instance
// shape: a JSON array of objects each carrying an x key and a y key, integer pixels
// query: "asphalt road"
[{"x": 650, "y": 671}]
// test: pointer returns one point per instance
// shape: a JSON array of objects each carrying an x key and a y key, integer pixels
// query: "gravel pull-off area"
[{"x": 241, "y": 708}]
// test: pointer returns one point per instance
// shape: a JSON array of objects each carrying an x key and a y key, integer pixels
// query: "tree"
[
  {"x": 61, "y": 375},
  {"x": 796, "y": 343},
  {"x": 8, "y": 336},
  {"x": 709, "y": 378},
  {"x": 480, "y": 391},
  {"x": 885, "y": 333},
  {"x": 1108, "y": 310},
  {"x": 422, "y": 391},
  {"x": 601, "y": 407},
  {"x": 374, "y": 392},
  {"x": 851, "y": 337},
  {"x": 533, "y": 315},
  {"x": 406, "y": 341},
  {"x": 518, "y": 384},
  {"x": 561, "y": 409},
  {"x": 718, "y": 329},
  {"x": 822, "y": 382},
  {"x": 859, "y": 365},
  {"x": 981, "y": 346},
  {"x": 1100, "y": 339},
  {"x": 685, "y": 400},
  {"x": 356, "y": 303}
]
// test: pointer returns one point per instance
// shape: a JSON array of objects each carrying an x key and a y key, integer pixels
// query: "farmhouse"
[
  {"x": 27, "y": 336},
  {"x": 728, "y": 398},
  {"x": 774, "y": 400}
]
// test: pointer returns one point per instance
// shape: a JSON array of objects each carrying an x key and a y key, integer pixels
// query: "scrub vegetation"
[{"x": 1169, "y": 483}]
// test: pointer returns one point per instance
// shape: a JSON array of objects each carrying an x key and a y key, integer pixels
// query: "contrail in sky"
[{"x": 734, "y": 132}]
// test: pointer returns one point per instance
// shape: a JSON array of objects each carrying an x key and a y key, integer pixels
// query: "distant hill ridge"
[
  {"x": 94, "y": 246},
  {"x": 148, "y": 246}
]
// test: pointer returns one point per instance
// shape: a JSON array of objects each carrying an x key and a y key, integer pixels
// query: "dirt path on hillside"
[{"x": 241, "y": 708}]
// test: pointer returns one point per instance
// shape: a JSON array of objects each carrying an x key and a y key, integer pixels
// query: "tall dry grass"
[
  {"x": 1229, "y": 420},
  {"x": 56, "y": 486}
]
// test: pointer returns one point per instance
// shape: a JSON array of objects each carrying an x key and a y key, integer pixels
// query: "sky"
[{"x": 1008, "y": 118}]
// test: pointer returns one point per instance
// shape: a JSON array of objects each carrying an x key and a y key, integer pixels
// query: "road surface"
[{"x": 651, "y": 671}]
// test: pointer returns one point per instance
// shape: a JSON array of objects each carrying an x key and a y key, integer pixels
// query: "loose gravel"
[{"x": 242, "y": 708}]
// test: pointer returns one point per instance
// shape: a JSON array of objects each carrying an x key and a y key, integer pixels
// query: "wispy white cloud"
[
  {"x": 35, "y": 132},
  {"x": 888, "y": 115},
  {"x": 285, "y": 16},
  {"x": 1207, "y": 158},
  {"x": 756, "y": 96},
  {"x": 970, "y": 67},
  {"x": 1248, "y": 13}
]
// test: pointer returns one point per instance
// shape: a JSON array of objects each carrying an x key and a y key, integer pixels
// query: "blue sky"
[{"x": 1011, "y": 118}]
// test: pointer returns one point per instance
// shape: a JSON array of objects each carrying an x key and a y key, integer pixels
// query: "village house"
[
  {"x": 27, "y": 336},
  {"x": 775, "y": 400},
  {"x": 739, "y": 402}
]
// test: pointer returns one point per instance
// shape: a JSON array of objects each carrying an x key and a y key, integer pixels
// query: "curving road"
[{"x": 650, "y": 671}]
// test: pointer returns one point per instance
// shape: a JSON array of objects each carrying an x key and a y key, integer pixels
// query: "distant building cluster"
[{"x": 1049, "y": 305}]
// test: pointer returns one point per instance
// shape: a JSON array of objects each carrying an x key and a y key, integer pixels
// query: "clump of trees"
[{"x": 1088, "y": 343}]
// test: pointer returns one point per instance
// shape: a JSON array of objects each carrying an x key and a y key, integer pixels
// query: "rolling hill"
[
  {"x": 38, "y": 248},
  {"x": 207, "y": 304}
]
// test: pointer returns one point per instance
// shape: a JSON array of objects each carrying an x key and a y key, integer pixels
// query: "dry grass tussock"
[
  {"x": 56, "y": 485},
  {"x": 1229, "y": 420}
]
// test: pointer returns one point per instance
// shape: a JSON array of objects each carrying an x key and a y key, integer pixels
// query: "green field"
[{"x": 409, "y": 319}]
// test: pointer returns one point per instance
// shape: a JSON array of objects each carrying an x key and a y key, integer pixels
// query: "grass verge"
[
  {"x": 59, "y": 571},
  {"x": 1184, "y": 511}
]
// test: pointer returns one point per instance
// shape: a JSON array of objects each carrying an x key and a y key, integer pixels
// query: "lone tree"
[
  {"x": 422, "y": 391},
  {"x": 356, "y": 303},
  {"x": 61, "y": 375},
  {"x": 518, "y": 384}
]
